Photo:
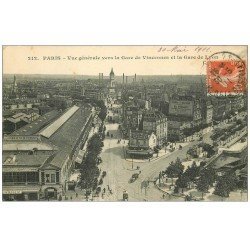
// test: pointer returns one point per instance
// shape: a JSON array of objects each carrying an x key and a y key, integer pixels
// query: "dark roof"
[
  {"x": 26, "y": 146},
  {"x": 35, "y": 126},
  {"x": 65, "y": 138},
  {"x": 24, "y": 159},
  {"x": 223, "y": 161},
  {"x": 244, "y": 171},
  {"x": 153, "y": 116}
]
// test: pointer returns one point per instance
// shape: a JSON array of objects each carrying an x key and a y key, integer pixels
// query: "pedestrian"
[
  {"x": 104, "y": 190},
  {"x": 76, "y": 195},
  {"x": 163, "y": 196},
  {"x": 71, "y": 197}
]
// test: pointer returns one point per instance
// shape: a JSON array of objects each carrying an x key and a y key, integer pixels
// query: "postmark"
[{"x": 226, "y": 73}]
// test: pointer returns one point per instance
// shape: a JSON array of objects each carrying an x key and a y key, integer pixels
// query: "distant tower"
[
  {"x": 82, "y": 91},
  {"x": 111, "y": 78},
  {"x": 145, "y": 93},
  {"x": 100, "y": 78},
  {"x": 15, "y": 87}
]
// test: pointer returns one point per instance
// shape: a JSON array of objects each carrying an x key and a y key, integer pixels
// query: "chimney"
[{"x": 123, "y": 78}]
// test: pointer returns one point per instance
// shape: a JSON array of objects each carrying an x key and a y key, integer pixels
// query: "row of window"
[
  {"x": 30, "y": 177},
  {"x": 50, "y": 177},
  {"x": 21, "y": 177}
]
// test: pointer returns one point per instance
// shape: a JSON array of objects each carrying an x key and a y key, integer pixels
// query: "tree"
[
  {"x": 202, "y": 185},
  {"x": 208, "y": 148},
  {"x": 244, "y": 184},
  {"x": 222, "y": 188},
  {"x": 232, "y": 180},
  {"x": 182, "y": 182},
  {"x": 226, "y": 184},
  {"x": 193, "y": 152},
  {"x": 174, "y": 170},
  {"x": 193, "y": 171},
  {"x": 89, "y": 169},
  {"x": 209, "y": 174},
  {"x": 95, "y": 144}
]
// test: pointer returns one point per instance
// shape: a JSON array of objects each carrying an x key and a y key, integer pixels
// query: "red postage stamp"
[{"x": 226, "y": 76}]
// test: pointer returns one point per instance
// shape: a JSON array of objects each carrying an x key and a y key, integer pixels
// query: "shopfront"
[
  {"x": 21, "y": 193},
  {"x": 50, "y": 193}
]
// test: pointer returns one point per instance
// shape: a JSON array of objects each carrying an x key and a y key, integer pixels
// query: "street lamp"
[{"x": 132, "y": 162}]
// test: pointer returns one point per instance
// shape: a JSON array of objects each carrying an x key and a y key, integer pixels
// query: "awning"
[
  {"x": 140, "y": 152},
  {"x": 80, "y": 156},
  {"x": 20, "y": 190}
]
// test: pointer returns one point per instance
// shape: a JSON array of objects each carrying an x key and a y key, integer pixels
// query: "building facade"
[
  {"x": 156, "y": 122},
  {"x": 38, "y": 165},
  {"x": 141, "y": 144}
]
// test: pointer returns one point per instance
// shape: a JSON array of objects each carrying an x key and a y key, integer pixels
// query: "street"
[{"x": 119, "y": 170}]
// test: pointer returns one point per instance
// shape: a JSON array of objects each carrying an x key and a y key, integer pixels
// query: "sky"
[{"x": 160, "y": 60}]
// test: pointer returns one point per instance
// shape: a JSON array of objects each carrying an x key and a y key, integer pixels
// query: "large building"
[
  {"x": 18, "y": 120},
  {"x": 94, "y": 92},
  {"x": 156, "y": 122},
  {"x": 186, "y": 106},
  {"x": 176, "y": 127},
  {"x": 184, "y": 112},
  {"x": 37, "y": 163},
  {"x": 221, "y": 107},
  {"x": 207, "y": 112},
  {"x": 132, "y": 118},
  {"x": 141, "y": 144}
]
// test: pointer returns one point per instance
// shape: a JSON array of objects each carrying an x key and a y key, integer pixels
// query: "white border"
[{"x": 119, "y": 225}]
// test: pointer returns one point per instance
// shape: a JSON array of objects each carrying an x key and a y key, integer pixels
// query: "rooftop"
[
  {"x": 35, "y": 126},
  {"x": 24, "y": 160},
  {"x": 153, "y": 116},
  {"x": 224, "y": 160},
  {"x": 53, "y": 127},
  {"x": 26, "y": 146},
  {"x": 238, "y": 146},
  {"x": 66, "y": 137}
]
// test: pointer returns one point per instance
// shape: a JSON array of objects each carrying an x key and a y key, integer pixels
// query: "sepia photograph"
[{"x": 125, "y": 123}]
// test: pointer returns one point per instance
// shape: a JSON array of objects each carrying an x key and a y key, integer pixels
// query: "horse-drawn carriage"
[
  {"x": 125, "y": 195},
  {"x": 134, "y": 177}
]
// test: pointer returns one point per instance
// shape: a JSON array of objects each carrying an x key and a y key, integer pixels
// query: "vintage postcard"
[{"x": 124, "y": 123}]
